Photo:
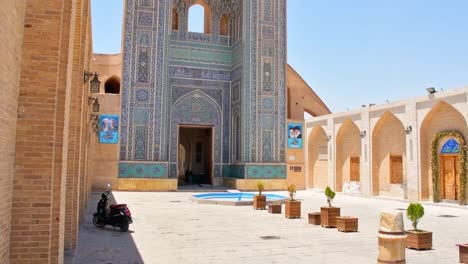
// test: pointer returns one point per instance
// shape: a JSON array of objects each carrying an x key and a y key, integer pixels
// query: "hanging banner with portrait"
[
  {"x": 108, "y": 129},
  {"x": 295, "y": 135}
]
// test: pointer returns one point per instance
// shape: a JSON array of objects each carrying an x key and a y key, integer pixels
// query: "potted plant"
[
  {"x": 328, "y": 214},
  {"x": 293, "y": 207},
  {"x": 463, "y": 249},
  {"x": 274, "y": 208},
  {"x": 314, "y": 218},
  {"x": 259, "y": 201},
  {"x": 347, "y": 223},
  {"x": 416, "y": 238}
]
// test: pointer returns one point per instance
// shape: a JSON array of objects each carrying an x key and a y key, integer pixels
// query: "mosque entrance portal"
[
  {"x": 195, "y": 155},
  {"x": 449, "y": 177}
]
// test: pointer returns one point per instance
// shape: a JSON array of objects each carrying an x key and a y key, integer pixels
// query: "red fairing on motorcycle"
[{"x": 116, "y": 215}]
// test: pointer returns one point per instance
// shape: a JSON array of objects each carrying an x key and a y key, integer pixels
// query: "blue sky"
[{"x": 356, "y": 52}]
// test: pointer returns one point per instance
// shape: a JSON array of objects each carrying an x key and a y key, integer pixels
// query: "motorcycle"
[{"x": 116, "y": 215}]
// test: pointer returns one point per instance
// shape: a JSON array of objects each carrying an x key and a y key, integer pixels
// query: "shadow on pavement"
[{"x": 103, "y": 245}]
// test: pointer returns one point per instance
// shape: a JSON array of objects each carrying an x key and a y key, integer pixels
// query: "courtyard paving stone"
[{"x": 170, "y": 228}]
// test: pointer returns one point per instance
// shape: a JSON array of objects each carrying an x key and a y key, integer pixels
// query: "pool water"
[{"x": 239, "y": 198}]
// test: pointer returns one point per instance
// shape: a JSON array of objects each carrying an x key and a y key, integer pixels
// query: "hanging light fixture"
[
  {"x": 96, "y": 106},
  {"x": 95, "y": 83}
]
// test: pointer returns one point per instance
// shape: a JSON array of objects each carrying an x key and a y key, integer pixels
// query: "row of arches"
[{"x": 388, "y": 152}]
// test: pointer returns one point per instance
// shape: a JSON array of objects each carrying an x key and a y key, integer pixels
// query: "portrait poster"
[
  {"x": 108, "y": 129},
  {"x": 295, "y": 135}
]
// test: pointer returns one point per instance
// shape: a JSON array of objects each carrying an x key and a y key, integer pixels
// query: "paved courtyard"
[{"x": 170, "y": 228}]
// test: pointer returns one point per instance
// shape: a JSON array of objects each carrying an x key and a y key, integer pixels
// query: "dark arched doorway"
[{"x": 112, "y": 85}]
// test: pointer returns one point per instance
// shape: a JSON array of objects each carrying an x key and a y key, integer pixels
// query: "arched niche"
[
  {"x": 442, "y": 117},
  {"x": 196, "y": 109},
  {"x": 224, "y": 25},
  {"x": 318, "y": 158},
  {"x": 112, "y": 85},
  {"x": 348, "y": 154},
  {"x": 175, "y": 19},
  {"x": 389, "y": 157},
  {"x": 199, "y": 17}
]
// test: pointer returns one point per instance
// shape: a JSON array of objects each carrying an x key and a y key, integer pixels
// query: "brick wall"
[
  {"x": 106, "y": 156},
  {"x": 44, "y": 136},
  {"x": 85, "y": 167},
  {"x": 37, "y": 225},
  {"x": 75, "y": 132},
  {"x": 11, "y": 37}
]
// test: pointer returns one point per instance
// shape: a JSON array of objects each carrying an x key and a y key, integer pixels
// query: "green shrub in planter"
[
  {"x": 330, "y": 195},
  {"x": 415, "y": 212}
]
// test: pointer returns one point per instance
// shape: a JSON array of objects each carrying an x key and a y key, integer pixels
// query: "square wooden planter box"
[
  {"x": 463, "y": 253},
  {"x": 347, "y": 223},
  {"x": 274, "y": 208},
  {"x": 419, "y": 240},
  {"x": 328, "y": 216},
  {"x": 314, "y": 218},
  {"x": 293, "y": 209},
  {"x": 259, "y": 202}
]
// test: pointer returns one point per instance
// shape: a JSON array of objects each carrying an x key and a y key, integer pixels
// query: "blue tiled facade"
[{"x": 174, "y": 77}]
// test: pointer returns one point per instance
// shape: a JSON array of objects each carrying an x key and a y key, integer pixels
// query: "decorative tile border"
[
  {"x": 143, "y": 170},
  {"x": 265, "y": 171},
  {"x": 255, "y": 171},
  {"x": 233, "y": 171}
]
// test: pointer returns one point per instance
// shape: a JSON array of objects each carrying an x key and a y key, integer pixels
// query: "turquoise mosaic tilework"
[
  {"x": 142, "y": 170},
  {"x": 249, "y": 65},
  {"x": 254, "y": 171},
  {"x": 200, "y": 55},
  {"x": 233, "y": 171},
  {"x": 265, "y": 171}
]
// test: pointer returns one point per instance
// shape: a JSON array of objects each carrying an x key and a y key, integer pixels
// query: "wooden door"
[
  {"x": 354, "y": 169},
  {"x": 448, "y": 181},
  {"x": 396, "y": 169}
]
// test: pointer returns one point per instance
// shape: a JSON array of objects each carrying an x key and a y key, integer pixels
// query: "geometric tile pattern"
[
  {"x": 179, "y": 77},
  {"x": 254, "y": 171},
  {"x": 265, "y": 171},
  {"x": 234, "y": 171},
  {"x": 142, "y": 170},
  {"x": 264, "y": 83}
]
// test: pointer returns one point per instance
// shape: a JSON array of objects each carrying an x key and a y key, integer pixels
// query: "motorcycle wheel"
[
  {"x": 97, "y": 221},
  {"x": 124, "y": 226}
]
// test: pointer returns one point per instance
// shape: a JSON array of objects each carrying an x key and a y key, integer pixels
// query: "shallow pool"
[{"x": 239, "y": 198}]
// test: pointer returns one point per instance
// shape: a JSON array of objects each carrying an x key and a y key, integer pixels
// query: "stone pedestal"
[{"x": 392, "y": 238}]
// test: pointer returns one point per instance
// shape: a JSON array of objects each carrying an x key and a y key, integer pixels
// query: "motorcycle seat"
[{"x": 115, "y": 206}]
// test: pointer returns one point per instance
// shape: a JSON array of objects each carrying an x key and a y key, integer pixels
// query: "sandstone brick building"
[
  {"x": 49, "y": 149},
  {"x": 413, "y": 149},
  {"x": 44, "y": 134},
  {"x": 51, "y": 158}
]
